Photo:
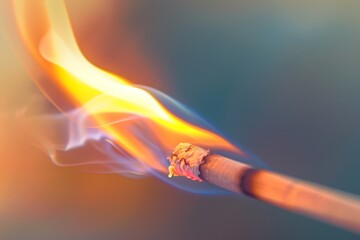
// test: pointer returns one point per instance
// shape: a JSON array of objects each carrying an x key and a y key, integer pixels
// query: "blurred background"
[{"x": 280, "y": 78}]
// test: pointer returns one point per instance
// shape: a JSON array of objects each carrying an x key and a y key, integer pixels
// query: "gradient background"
[{"x": 282, "y": 79}]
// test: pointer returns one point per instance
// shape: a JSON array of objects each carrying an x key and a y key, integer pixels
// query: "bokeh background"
[{"x": 280, "y": 78}]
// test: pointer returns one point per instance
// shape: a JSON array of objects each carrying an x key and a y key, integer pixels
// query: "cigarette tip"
[{"x": 185, "y": 161}]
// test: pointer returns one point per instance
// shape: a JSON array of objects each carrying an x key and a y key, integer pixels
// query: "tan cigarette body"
[
  {"x": 330, "y": 206},
  {"x": 336, "y": 208}
]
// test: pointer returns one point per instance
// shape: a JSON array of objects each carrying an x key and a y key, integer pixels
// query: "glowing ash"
[{"x": 185, "y": 161}]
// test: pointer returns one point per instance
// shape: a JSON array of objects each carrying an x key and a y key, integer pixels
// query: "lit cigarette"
[{"x": 334, "y": 207}]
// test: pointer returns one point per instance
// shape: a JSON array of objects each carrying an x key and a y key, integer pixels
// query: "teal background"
[{"x": 283, "y": 81}]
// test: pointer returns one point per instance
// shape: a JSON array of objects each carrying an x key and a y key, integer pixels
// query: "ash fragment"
[{"x": 186, "y": 159}]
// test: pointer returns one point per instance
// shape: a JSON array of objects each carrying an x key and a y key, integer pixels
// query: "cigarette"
[{"x": 321, "y": 203}]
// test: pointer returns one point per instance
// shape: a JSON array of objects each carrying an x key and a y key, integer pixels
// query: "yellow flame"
[{"x": 78, "y": 80}]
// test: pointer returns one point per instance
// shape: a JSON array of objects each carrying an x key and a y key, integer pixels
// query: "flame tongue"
[{"x": 106, "y": 98}]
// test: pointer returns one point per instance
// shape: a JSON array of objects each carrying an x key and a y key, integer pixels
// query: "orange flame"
[{"x": 105, "y": 97}]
